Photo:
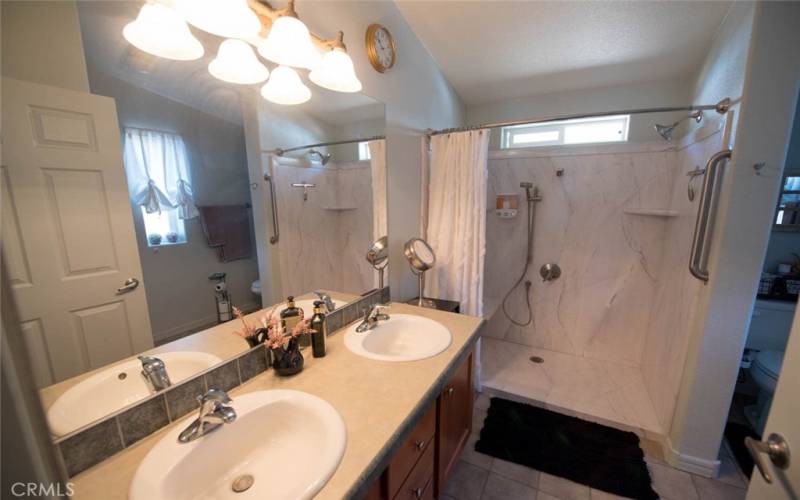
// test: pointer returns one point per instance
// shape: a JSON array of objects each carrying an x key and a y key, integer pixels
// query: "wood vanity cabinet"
[{"x": 421, "y": 466}]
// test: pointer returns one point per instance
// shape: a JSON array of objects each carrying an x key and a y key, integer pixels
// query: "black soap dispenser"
[
  {"x": 291, "y": 316},
  {"x": 319, "y": 337}
]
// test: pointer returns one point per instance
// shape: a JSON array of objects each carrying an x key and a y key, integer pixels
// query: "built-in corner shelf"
[
  {"x": 340, "y": 209},
  {"x": 651, "y": 212}
]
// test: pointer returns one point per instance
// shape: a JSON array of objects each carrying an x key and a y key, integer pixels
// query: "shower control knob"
[{"x": 550, "y": 272}]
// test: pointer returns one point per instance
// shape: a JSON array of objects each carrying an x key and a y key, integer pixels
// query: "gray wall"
[{"x": 179, "y": 295}]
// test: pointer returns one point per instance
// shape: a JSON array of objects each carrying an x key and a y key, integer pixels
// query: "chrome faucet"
[
  {"x": 371, "y": 318},
  {"x": 324, "y": 297},
  {"x": 213, "y": 413},
  {"x": 155, "y": 372}
]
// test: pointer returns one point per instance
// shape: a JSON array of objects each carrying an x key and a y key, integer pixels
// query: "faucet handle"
[
  {"x": 150, "y": 361},
  {"x": 215, "y": 395}
]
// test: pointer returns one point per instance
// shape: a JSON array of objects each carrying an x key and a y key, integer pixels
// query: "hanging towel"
[{"x": 227, "y": 229}]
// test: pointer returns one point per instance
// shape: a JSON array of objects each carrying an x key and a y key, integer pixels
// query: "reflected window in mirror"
[
  {"x": 363, "y": 151},
  {"x": 788, "y": 213}
]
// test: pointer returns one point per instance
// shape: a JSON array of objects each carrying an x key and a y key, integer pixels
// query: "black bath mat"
[
  {"x": 735, "y": 434},
  {"x": 585, "y": 452}
]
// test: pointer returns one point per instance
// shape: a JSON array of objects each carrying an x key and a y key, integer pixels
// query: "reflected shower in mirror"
[{"x": 138, "y": 212}]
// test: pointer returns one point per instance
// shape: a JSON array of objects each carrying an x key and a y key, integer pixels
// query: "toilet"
[
  {"x": 256, "y": 288},
  {"x": 765, "y": 371}
]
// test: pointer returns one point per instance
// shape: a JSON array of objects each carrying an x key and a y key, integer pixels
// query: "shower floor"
[{"x": 599, "y": 391}]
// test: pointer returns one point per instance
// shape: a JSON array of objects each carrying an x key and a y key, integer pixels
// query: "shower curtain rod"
[
  {"x": 721, "y": 107},
  {"x": 281, "y": 152}
]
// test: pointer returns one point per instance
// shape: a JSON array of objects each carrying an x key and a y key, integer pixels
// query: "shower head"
[
  {"x": 323, "y": 158},
  {"x": 528, "y": 186},
  {"x": 665, "y": 131}
]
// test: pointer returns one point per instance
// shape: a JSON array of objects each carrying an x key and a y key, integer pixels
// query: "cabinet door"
[{"x": 455, "y": 421}]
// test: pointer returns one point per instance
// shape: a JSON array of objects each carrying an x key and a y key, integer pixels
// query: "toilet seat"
[{"x": 769, "y": 362}]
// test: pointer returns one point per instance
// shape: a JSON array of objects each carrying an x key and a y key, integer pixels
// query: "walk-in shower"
[{"x": 531, "y": 199}]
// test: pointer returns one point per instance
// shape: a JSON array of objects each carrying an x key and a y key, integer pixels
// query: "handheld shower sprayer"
[{"x": 531, "y": 196}]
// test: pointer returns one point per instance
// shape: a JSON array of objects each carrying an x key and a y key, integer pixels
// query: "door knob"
[
  {"x": 129, "y": 285},
  {"x": 775, "y": 447}
]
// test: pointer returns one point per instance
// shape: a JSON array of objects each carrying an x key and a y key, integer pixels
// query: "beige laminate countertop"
[
  {"x": 379, "y": 402},
  {"x": 218, "y": 340}
]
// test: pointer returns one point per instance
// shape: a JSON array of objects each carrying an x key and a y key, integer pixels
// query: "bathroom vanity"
[{"x": 406, "y": 422}]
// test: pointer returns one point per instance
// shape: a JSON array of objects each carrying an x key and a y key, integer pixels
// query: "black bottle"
[
  {"x": 290, "y": 316},
  {"x": 319, "y": 337}
]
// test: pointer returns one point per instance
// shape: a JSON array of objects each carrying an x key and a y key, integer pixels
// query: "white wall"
[
  {"x": 638, "y": 95},
  {"x": 769, "y": 87},
  {"x": 42, "y": 44},
  {"x": 417, "y": 97}
]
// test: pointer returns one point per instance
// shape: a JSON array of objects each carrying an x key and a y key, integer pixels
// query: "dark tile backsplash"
[
  {"x": 91, "y": 446},
  {"x": 111, "y": 435},
  {"x": 182, "y": 399},
  {"x": 143, "y": 420}
]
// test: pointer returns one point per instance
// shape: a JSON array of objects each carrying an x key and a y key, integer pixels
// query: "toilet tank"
[{"x": 770, "y": 325}]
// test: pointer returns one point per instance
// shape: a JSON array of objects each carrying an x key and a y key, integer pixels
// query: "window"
[
  {"x": 788, "y": 213},
  {"x": 156, "y": 164},
  {"x": 363, "y": 151},
  {"x": 581, "y": 131}
]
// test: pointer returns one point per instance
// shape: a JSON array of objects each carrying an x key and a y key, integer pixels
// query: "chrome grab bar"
[
  {"x": 275, "y": 232},
  {"x": 706, "y": 212}
]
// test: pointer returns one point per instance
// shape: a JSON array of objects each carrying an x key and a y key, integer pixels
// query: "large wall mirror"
[{"x": 142, "y": 198}]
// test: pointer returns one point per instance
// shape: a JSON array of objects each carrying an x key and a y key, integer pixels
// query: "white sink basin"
[
  {"x": 116, "y": 387},
  {"x": 404, "y": 337},
  {"x": 290, "y": 443}
]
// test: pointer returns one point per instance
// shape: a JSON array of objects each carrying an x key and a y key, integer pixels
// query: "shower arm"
[{"x": 721, "y": 107}]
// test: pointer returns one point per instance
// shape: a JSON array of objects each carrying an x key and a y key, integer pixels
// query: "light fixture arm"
[{"x": 267, "y": 14}]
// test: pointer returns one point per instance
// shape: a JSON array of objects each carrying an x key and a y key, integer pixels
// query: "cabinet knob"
[
  {"x": 420, "y": 444},
  {"x": 450, "y": 391},
  {"x": 418, "y": 492}
]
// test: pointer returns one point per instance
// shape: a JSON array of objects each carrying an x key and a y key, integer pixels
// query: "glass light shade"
[
  {"x": 285, "y": 87},
  {"x": 237, "y": 63},
  {"x": 289, "y": 44},
  {"x": 160, "y": 30},
  {"x": 225, "y": 18},
  {"x": 335, "y": 72}
]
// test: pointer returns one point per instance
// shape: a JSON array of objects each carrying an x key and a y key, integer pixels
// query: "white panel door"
[
  {"x": 784, "y": 421},
  {"x": 67, "y": 230}
]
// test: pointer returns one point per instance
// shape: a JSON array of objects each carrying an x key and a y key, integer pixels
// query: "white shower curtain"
[
  {"x": 457, "y": 223},
  {"x": 377, "y": 155},
  {"x": 457, "y": 218}
]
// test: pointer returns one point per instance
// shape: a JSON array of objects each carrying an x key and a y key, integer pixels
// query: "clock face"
[{"x": 380, "y": 48}]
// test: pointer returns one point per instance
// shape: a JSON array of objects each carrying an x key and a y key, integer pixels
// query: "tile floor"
[
  {"x": 600, "y": 391},
  {"x": 481, "y": 477}
]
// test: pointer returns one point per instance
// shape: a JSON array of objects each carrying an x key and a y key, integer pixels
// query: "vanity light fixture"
[
  {"x": 285, "y": 87},
  {"x": 161, "y": 31},
  {"x": 237, "y": 63},
  {"x": 289, "y": 41},
  {"x": 225, "y": 18},
  {"x": 278, "y": 34},
  {"x": 335, "y": 71}
]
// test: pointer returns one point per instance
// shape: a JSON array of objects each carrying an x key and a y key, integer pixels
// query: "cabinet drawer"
[
  {"x": 419, "y": 484},
  {"x": 419, "y": 441}
]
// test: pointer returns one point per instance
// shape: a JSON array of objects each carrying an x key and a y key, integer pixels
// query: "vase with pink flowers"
[{"x": 283, "y": 345}]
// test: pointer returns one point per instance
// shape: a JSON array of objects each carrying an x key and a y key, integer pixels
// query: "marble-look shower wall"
[
  {"x": 323, "y": 239},
  {"x": 610, "y": 258},
  {"x": 668, "y": 328}
]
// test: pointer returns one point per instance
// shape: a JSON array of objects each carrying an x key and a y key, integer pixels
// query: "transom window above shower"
[{"x": 579, "y": 131}]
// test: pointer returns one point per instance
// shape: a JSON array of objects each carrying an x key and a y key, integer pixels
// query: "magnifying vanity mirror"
[
  {"x": 129, "y": 179},
  {"x": 421, "y": 258},
  {"x": 378, "y": 257}
]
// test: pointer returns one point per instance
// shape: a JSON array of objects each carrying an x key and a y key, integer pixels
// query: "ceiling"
[
  {"x": 189, "y": 82},
  {"x": 492, "y": 51}
]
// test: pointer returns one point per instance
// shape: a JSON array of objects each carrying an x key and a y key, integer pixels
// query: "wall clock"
[{"x": 380, "y": 48}]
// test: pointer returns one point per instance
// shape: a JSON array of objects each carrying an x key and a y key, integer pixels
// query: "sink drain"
[
  {"x": 536, "y": 359},
  {"x": 242, "y": 483}
]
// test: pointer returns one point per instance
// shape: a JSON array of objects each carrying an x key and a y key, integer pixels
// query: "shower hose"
[{"x": 528, "y": 260}]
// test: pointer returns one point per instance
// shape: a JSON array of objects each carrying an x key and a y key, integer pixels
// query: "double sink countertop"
[{"x": 379, "y": 401}]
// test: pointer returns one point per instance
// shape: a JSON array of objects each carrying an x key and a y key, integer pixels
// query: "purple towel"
[{"x": 227, "y": 229}]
